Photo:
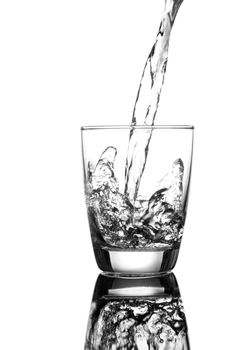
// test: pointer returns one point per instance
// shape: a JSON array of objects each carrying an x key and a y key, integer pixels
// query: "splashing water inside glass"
[{"x": 124, "y": 220}]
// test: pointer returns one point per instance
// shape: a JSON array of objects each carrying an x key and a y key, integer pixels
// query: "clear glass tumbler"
[{"x": 136, "y": 185}]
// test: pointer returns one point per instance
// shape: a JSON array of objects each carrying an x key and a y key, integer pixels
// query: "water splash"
[{"x": 154, "y": 223}]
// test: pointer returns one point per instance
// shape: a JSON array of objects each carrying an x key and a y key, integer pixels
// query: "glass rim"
[{"x": 146, "y": 127}]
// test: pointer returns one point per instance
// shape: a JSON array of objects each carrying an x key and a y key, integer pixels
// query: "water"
[
  {"x": 147, "y": 101},
  {"x": 141, "y": 323},
  {"x": 125, "y": 220},
  {"x": 156, "y": 222}
]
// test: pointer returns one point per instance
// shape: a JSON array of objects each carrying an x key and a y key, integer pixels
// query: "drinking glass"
[{"x": 136, "y": 187}]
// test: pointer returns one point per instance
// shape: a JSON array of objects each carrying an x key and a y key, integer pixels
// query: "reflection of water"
[{"x": 144, "y": 313}]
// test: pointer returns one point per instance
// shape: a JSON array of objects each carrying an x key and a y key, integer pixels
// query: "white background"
[{"x": 64, "y": 64}]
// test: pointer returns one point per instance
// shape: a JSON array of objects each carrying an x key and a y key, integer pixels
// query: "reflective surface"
[{"x": 137, "y": 313}]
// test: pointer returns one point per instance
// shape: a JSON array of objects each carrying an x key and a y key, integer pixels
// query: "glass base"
[{"x": 136, "y": 262}]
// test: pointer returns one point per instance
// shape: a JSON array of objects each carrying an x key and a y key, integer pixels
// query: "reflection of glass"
[
  {"x": 137, "y": 313},
  {"x": 137, "y": 201}
]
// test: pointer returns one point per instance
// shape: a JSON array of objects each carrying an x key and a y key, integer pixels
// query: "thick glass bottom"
[{"x": 136, "y": 262}]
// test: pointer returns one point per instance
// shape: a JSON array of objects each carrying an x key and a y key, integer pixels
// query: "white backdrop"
[{"x": 64, "y": 64}]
